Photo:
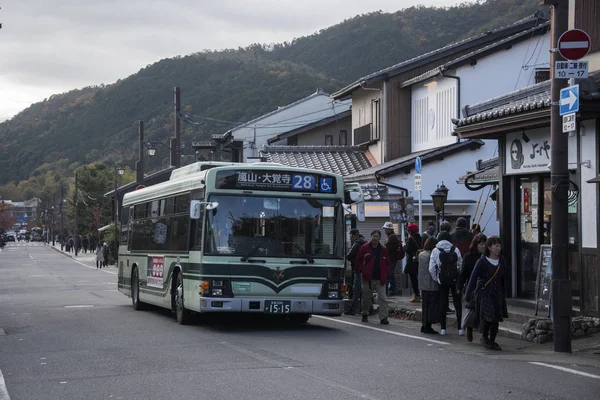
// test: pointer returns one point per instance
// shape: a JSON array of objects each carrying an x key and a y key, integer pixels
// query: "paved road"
[{"x": 68, "y": 334}]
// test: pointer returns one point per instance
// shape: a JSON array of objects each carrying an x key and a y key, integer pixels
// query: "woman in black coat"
[
  {"x": 413, "y": 245},
  {"x": 476, "y": 249}
]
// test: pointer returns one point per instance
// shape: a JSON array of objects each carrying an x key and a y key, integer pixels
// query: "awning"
[{"x": 594, "y": 180}]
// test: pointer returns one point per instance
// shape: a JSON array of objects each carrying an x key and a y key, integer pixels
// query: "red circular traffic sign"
[{"x": 574, "y": 44}]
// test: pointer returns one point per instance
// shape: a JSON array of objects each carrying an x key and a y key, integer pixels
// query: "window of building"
[
  {"x": 376, "y": 119},
  {"x": 343, "y": 138}
]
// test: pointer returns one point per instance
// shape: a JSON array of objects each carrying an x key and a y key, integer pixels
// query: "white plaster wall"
[
  {"x": 502, "y": 72},
  {"x": 588, "y": 191},
  {"x": 448, "y": 170},
  {"x": 315, "y": 108},
  {"x": 362, "y": 114}
]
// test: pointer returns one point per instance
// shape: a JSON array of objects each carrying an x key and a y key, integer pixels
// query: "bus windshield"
[{"x": 253, "y": 226}]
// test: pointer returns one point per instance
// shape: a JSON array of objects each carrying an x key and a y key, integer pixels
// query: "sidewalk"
[
  {"x": 401, "y": 308},
  {"x": 85, "y": 258}
]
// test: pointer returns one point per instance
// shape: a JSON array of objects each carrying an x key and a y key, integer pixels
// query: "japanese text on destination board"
[{"x": 275, "y": 180}]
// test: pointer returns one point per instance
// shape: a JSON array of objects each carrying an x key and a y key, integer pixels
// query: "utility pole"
[
  {"x": 62, "y": 228},
  {"x": 561, "y": 298},
  {"x": 176, "y": 152},
  {"x": 139, "y": 165},
  {"x": 75, "y": 229}
]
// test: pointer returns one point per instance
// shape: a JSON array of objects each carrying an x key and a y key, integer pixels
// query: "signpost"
[
  {"x": 569, "y": 100},
  {"x": 569, "y": 123},
  {"x": 418, "y": 188},
  {"x": 573, "y": 45}
]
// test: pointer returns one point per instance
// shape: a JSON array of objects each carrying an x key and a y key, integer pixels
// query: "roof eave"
[{"x": 496, "y": 127}]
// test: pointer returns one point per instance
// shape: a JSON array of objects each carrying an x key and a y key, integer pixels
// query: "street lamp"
[
  {"x": 153, "y": 146},
  {"x": 119, "y": 170},
  {"x": 444, "y": 190},
  {"x": 439, "y": 198}
]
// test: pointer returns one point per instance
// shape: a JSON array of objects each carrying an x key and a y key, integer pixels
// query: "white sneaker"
[
  {"x": 442, "y": 332},
  {"x": 461, "y": 332}
]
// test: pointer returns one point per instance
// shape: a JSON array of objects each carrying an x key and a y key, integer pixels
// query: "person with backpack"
[
  {"x": 414, "y": 245},
  {"x": 357, "y": 241},
  {"x": 396, "y": 252},
  {"x": 444, "y": 269},
  {"x": 373, "y": 261}
]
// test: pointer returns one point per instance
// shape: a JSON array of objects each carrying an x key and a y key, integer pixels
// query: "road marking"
[
  {"x": 81, "y": 306},
  {"x": 381, "y": 330},
  {"x": 3, "y": 392},
  {"x": 90, "y": 267},
  {"x": 2, "y": 333},
  {"x": 573, "y": 371}
]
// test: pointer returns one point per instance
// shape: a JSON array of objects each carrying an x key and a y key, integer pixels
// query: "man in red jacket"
[{"x": 373, "y": 260}]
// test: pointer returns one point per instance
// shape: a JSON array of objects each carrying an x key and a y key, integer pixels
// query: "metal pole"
[
  {"x": 420, "y": 210},
  {"x": 62, "y": 228},
  {"x": 177, "y": 152},
  {"x": 139, "y": 165},
  {"x": 53, "y": 233},
  {"x": 115, "y": 217},
  {"x": 561, "y": 296},
  {"x": 75, "y": 229}
]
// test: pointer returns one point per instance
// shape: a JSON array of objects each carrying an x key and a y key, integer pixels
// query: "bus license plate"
[{"x": 278, "y": 306}]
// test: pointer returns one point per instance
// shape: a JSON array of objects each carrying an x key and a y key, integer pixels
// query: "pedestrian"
[
  {"x": 444, "y": 227},
  {"x": 105, "y": 254},
  {"x": 374, "y": 263},
  {"x": 414, "y": 245},
  {"x": 461, "y": 236},
  {"x": 470, "y": 319},
  {"x": 444, "y": 267},
  {"x": 396, "y": 252},
  {"x": 99, "y": 257},
  {"x": 85, "y": 243},
  {"x": 357, "y": 241},
  {"x": 486, "y": 289},
  {"x": 430, "y": 289},
  {"x": 430, "y": 231}
]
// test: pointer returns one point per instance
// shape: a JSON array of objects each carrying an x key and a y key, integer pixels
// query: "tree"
[{"x": 7, "y": 217}]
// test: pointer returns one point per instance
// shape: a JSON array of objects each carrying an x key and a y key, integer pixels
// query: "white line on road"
[
  {"x": 573, "y": 371},
  {"x": 90, "y": 267},
  {"x": 81, "y": 306},
  {"x": 381, "y": 330},
  {"x": 3, "y": 392}
]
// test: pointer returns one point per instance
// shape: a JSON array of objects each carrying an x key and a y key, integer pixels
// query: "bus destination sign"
[{"x": 274, "y": 180}]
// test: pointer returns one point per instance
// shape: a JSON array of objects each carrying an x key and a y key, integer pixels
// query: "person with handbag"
[
  {"x": 430, "y": 289},
  {"x": 414, "y": 245},
  {"x": 470, "y": 319},
  {"x": 486, "y": 291}
]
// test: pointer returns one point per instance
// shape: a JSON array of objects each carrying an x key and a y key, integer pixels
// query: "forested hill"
[{"x": 51, "y": 138}]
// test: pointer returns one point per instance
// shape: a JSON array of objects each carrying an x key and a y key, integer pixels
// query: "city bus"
[{"x": 232, "y": 237}]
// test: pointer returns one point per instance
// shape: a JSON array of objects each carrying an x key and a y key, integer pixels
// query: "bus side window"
[{"x": 196, "y": 236}]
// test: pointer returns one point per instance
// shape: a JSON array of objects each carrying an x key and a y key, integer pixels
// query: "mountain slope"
[{"x": 99, "y": 123}]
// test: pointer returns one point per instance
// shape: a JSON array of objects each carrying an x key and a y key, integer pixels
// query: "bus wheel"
[
  {"x": 183, "y": 316},
  {"x": 135, "y": 291},
  {"x": 299, "y": 318}
]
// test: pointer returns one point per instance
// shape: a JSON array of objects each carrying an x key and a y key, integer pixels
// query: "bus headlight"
[
  {"x": 332, "y": 295},
  {"x": 217, "y": 283},
  {"x": 334, "y": 286},
  {"x": 217, "y": 292}
]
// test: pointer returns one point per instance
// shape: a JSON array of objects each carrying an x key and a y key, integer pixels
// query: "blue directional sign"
[
  {"x": 569, "y": 100},
  {"x": 418, "y": 165}
]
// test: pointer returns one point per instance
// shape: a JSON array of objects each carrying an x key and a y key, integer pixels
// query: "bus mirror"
[
  {"x": 195, "y": 209},
  {"x": 212, "y": 205},
  {"x": 354, "y": 196}
]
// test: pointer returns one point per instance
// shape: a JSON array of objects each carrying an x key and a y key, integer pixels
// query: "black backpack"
[{"x": 449, "y": 267}]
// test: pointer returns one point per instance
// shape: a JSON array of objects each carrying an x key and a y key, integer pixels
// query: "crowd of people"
[{"x": 460, "y": 262}]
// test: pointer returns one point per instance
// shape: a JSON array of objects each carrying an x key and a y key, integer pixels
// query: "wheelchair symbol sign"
[{"x": 326, "y": 185}]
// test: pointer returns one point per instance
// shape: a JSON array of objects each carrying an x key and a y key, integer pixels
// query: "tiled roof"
[
  {"x": 488, "y": 173},
  {"x": 343, "y": 160},
  {"x": 445, "y": 51},
  {"x": 530, "y": 98},
  {"x": 408, "y": 161},
  {"x": 375, "y": 192},
  {"x": 483, "y": 51},
  {"x": 332, "y": 119}
]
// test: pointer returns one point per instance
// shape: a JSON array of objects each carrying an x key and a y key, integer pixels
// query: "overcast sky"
[{"x": 52, "y": 46}]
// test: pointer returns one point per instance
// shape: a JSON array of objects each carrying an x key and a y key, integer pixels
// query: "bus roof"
[{"x": 193, "y": 176}]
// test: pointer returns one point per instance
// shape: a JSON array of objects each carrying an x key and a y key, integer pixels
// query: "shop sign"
[{"x": 527, "y": 153}]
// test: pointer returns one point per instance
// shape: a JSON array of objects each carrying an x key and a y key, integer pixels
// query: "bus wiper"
[
  {"x": 256, "y": 247},
  {"x": 304, "y": 254}
]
